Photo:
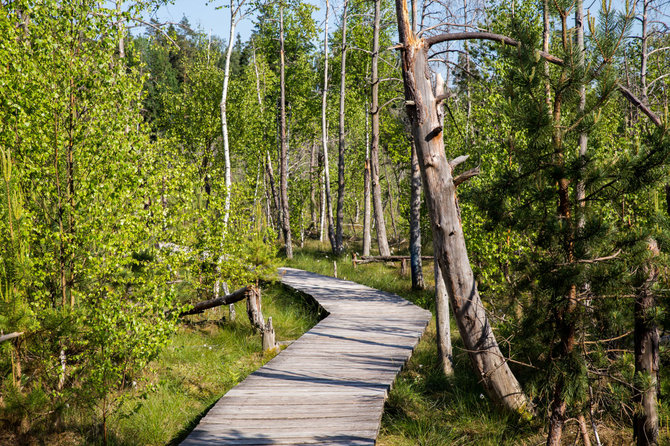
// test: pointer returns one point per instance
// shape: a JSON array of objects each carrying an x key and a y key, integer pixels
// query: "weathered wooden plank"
[{"x": 328, "y": 387}]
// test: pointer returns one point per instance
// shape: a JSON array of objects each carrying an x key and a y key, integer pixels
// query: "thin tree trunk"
[
  {"x": 324, "y": 136},
  {"x": 645, "y": 419},
  {"x": 322, "y": 219},
  {"x": 644, "y": 56},
  {"x": 339, "y": 243},
  {"x": 283, "y": 158},
  {"x": 450, "y": 250},
  {"x": 367, "y": 214},
  {"x": 442, "y": 323},
  {"x": 415, "y": 224},
  {"x": 545, "y": 48},
  {"x": 268, "y": 160},
  {"x": 390, "y": 200},
  {"x": 120, "y": 30},
  {"x": 468, "y": 93},
  {"x": 380, "y": 224},
  {"x": 70, "y": 194},
  {"x": 313, "y": 170},
  {"x": 224, "y": 117},
  {"x": 273, "y": 190},
  {"x": 564, "y": 314},
  {"x": 583, "y": 136}
]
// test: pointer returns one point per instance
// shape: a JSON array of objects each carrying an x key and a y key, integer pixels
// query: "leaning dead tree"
[
  {"x": 440, "y": 192},
  {"x": 423, "y": 109}
]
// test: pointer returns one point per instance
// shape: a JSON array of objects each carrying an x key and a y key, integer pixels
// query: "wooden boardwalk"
[{"x": 329, "y": 386}]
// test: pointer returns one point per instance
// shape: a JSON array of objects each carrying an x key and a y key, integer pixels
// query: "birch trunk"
[
  {"x": 367, "y": 214},
  {"x": 440, "y": 192},
  {"x": 283, "y": 158},
  {"x": 339, "y": 242},
  {"x": 224, "y": 117},
  {"x": 324, "y": 136},
  {"x": 312, "y": 183}
]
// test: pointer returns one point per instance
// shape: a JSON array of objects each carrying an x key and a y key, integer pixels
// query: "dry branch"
[{"x": 465, "y": 176}]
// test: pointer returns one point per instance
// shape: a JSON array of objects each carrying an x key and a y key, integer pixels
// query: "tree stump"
[
  {"x": 403, "y": 267},
  {"x": 254, "y": 308},
  {"x": 269, "y": 342}
]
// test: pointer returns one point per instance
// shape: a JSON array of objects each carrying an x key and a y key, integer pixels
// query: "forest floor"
[{"x": 425, "y": 407}]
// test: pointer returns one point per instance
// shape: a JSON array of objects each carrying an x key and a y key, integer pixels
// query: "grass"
[
  {"x": 425, "y": 407},
  {"x": 206, "y": 357}
]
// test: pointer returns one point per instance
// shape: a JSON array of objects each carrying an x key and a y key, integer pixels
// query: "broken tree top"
[{"x": 329, "y": 386}]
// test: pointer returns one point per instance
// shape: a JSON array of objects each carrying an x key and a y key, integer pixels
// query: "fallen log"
[
  {"x": 231, "y": 298},
  {"x": 372, "y": 259},
  {"x": 9, "y": 336}
]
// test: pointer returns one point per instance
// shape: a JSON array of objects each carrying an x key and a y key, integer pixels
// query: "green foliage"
[{"x": 89, "y": 203}]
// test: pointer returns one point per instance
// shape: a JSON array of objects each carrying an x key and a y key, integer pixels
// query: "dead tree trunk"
[
  {"x": 254, "y": 308},
  {"x": 339, "y": 242},
  {"x": 451, "y": 252},
  {"x": 367, "y": 239},
  {"x": 231, "y": 298},
  {"x": 380, "y": 224},
  {"x": 283, "y": 158},
  {"x": 442, "y": 323},
  {"x": 645, "y": 420}
]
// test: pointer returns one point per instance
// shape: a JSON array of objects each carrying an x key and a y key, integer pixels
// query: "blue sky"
[{"x": 205, "y": 15}]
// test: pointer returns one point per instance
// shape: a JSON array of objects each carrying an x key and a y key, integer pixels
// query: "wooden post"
[
  {"x": 269, "y": 336},
  {"x": 254, "y": 308},
  {"x": 335, "y": 269},
  {"x": 354, "y": 260},
  {"x": 403, "y": 267}
]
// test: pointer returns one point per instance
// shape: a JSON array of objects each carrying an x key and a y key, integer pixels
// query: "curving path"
[{"x": 329, "y": 386}]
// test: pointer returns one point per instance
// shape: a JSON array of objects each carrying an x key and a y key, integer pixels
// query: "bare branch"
[
  {"x": 465, "y": 176},
  {"x": 458, "y": 160},
  {"x": 638, "y": 103},
  {"x": 448, "y": 37}
]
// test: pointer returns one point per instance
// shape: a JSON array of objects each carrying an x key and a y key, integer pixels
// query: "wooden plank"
[{"x": 328, "y": 387}]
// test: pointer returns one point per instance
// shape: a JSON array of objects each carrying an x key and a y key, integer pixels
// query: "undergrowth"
[{"x": 207, "y": 356}]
